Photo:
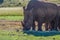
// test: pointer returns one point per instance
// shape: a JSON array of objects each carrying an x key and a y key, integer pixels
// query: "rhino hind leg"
[
  {"x": 33, "y": 26},
  {"x": 46, "y": 26},
  {"x": 39, "y": 26}
]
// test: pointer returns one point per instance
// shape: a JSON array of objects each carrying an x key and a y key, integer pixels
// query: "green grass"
[
  {"x": 11, "y": 18},
  {"x": 11, "y": 13},
  {"x": 13, "y": 35}
]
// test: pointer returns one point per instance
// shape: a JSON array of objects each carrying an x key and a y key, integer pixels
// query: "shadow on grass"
[{"x": 42, "y": 33}]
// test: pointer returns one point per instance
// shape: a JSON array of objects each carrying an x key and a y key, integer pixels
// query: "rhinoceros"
[{"x": 41, "y": 12}]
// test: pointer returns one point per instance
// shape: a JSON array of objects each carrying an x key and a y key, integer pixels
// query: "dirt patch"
[
  {"x": 10, "y": 25},
  {"x": 14, "y": 25}
]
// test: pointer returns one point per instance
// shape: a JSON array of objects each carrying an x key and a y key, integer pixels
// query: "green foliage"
[
  {"x": 24, "y": 2},
  {"x": 14, "y": 3}
]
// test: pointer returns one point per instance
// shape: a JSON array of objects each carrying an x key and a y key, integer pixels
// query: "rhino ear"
[
  {"x": 22, "y": 23},
  {"x": 24, "y": 8}
]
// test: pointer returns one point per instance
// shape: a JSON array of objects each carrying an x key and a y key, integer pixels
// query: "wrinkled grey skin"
[
  {"x": 59, "y": 18},
  {"x": 42, "y": 13},
  {"x": 28, "y": 20}
]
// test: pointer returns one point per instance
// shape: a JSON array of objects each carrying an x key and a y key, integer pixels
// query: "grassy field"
[
  {"x": 14, "y": 14},
  {"x": 13, "y": 35},
  {"x": 11, "y": 18},
  {"x": 11, "y": 11}
]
